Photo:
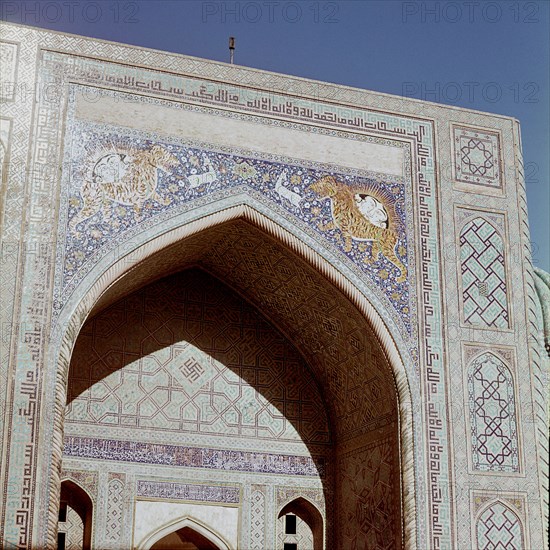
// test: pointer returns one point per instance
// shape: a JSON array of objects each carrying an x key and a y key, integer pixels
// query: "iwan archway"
[
  {"x": 364, "y": 482},
  {"x": 403, "y": 221}
]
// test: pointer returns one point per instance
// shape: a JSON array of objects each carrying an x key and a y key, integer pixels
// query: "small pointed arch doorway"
[
  {"x": 356, "y": 367},
  {"x": 301, "y": 524}
]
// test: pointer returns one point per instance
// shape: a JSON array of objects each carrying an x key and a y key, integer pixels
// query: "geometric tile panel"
[
  {"x": 257, "y": 521},
  {"x": 499, "y": 528},
  {"x": 303, "y": 538},
  {"x": 492, "y": 415},
  {"x": 115, "y": 501},
  {"x": 8, "y": 60},
  {"x": 371, "y": 519},
  {"x": 183, "y": 356},
  {"x": 477, "y": 157},
  {"x": 483, "y": 275}
]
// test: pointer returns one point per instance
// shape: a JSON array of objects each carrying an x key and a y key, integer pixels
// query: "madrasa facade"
[{"x": 244, "y": 310}]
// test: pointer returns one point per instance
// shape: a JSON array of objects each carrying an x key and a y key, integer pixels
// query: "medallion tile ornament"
[{"x": 477, "y": 157}]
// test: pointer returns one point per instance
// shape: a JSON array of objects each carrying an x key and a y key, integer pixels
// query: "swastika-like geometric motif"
[
  {"x": 192, "y": 370},
  {"x": 200, "y": 347},
  {"x": 484, "y": 296},
  {"x": 492, "y": 415},
  {"x": 477, "y": 157},
  {"x": 419, "y": 131},
  {"x": 115, "y": 500},
  {"x": 499, "y": 528}
]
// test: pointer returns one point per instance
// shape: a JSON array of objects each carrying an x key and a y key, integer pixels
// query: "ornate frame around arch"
[
  {"x": 101, "y": 279},
  {"x": 194, "y": 524}
]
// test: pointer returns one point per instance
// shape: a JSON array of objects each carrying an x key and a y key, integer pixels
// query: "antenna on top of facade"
[{"x": 231, "y": 49}]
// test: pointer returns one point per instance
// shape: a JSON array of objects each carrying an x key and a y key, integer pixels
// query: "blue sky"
[{"x": 478, "y": 54}]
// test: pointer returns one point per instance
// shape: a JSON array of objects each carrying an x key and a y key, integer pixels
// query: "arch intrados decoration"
[
  {"x": 192, "y": 523},
  {"x": 104, "y": 284}
]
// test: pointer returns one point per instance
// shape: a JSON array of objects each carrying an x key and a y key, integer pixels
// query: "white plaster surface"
[
  {"x": 249, "y": 135},
  {"x": 151, "y": 517}
]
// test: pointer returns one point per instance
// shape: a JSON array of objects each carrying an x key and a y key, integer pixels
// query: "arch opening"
[
  {"x": 75, "y": 518},
  {"x": 301, "y": 508},
  {"x": 346, "y": 359},
  {"x": 184, "y": 539},
  {"x": 184, "y": 534}
]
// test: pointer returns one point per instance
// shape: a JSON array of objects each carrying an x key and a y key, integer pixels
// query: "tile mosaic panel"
[
  {"x": 163, "y": 490},
  {"x": 303, "y": 538},
  {"x": 493, "y": 421},
  {"x": 419, "y": 131},
  {"x": 257, "y": 520},
  {"x": 483, "y": 271},
  {"x": 367, "y": 485},
  {"x": 121, "y": 178},
  {"x": 115, "y": 509},
  {"x": 192, "y": 457},
  {"x": 477, "y": 156},
  {"x": 85, "y": 479},
  {"x": 184, "y": 356},
  {"x": 499, "y": 528},
  {"x": 73, "y": 528}
]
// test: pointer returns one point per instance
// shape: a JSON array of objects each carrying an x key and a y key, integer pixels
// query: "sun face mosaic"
[{"x": 121, "y": 178}]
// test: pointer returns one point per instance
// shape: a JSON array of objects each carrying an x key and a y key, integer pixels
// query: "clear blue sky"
[{"x": 479, "y": 54}]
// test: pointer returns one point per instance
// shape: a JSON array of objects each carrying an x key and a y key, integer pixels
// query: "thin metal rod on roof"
[{"x": 231, "y": 49}]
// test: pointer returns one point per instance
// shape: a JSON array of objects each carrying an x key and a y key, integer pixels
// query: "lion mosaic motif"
[
  {"x": 361, "y": 216},
  {"x": 125, "y": 178}
]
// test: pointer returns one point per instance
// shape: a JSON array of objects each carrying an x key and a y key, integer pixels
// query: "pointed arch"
[
  {"x": 310, "y": 514},
  {"x": 148, "y": 258},
  {"x": 190, "y": 523},
  {"x": 76, "y": 504}
]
